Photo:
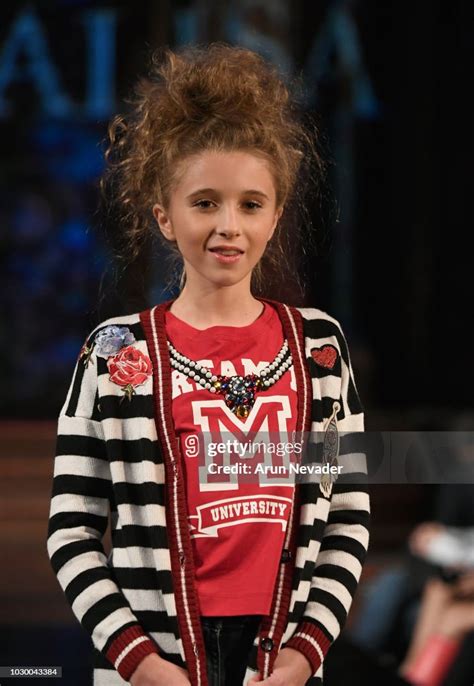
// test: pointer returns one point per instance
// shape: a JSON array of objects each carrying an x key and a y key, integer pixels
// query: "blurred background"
[{"x": 389, "y": 83}]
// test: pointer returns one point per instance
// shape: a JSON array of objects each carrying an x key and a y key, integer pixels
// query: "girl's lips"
[{"x": 226, "y": 259}]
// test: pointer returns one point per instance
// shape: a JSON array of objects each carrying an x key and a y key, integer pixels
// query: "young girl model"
[{"x": 214, "y": 579}]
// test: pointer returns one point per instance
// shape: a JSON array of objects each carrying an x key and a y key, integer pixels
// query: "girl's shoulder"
[
  {"x": 322, "y": 329},
  {"x": 309, "y": 314},
  {"x": 124, "y": 328},
  {"x": 318, "y": 323},
  {"x": 314, "y": 313},
  {"x": 119, "y": 320}
]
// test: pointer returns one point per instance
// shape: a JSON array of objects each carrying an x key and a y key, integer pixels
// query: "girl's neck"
[{"x": 217, "y": 308}]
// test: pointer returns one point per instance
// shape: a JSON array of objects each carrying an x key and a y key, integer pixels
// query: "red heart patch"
[{"x": 325, "y": 356}]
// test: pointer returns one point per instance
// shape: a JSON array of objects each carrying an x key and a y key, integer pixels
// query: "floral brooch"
[{"x": 128, "y": 366}]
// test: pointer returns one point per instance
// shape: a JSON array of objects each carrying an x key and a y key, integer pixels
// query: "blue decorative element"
[
  {"x": 239, "y": 392},
  {"x": 111, "y": 339}
]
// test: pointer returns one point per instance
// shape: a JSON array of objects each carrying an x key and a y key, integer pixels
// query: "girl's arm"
[
  {"x": 78, "y": 520},
  {"x": 346, "y": 536}
]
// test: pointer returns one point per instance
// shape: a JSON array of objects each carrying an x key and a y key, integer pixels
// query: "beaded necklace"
[{"x": 238, "y": 391}]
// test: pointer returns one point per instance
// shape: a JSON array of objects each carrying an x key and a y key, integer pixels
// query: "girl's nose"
[{"x": 228, "y": 223}]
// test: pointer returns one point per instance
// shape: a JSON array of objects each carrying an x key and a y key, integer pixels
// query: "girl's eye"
[
  {"x": 200, "y": 203},
  {"x": 204, "y": 204}
]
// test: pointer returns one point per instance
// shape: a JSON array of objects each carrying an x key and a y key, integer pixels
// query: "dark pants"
[{"x": 228, "y": 643}]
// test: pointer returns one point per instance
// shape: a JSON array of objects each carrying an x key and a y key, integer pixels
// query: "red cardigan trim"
[
  {"x": 274, "y": 625},
  {"x": 311, "y": 642},
  {"x": 129, "y": 649},
  {"x": 182, "y": 561},
  {"x": 187, "y": 602}
]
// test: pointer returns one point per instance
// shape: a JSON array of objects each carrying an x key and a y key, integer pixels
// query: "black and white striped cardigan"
[{"x": 123, "y": 459}]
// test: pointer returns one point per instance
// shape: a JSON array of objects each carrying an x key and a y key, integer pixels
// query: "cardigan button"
[
  {"x": 266, "y": 644},
  {"x": 285, "y": 555}
]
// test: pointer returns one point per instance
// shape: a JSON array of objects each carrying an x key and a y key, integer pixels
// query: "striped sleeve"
[
  {"x": 78, "y": 519},
  {"x": 346, "y": 536}
]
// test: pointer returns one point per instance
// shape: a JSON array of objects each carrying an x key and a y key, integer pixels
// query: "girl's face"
[{"x": 222, "y": 214}]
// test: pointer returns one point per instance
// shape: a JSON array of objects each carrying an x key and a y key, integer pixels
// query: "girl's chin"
[{"x": 218, "y": 276}]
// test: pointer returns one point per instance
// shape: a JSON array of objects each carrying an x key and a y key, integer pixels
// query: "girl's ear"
[{"x": 164, "y": 222}]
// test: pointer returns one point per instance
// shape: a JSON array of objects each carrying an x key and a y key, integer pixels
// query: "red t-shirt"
[{"x": 238, "y": 521}]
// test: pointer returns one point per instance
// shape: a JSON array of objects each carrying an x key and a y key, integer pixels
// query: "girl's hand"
[
  {"x": 291, "y": 668},
  {"x": 153, "y": 670}
]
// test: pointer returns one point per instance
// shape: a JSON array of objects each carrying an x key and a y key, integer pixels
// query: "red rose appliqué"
[{"x": 129, "y": 368}]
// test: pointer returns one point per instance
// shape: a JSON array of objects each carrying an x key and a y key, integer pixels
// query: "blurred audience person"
[
  {"x": 446, "y": 614},
  {"x": 435, "y": 574}
]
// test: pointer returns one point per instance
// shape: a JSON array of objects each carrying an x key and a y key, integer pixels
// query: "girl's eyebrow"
[{"x": 213, "y": 190}]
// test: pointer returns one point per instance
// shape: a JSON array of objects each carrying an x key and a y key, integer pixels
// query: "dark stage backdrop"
[{"x": 391, "y": 83}]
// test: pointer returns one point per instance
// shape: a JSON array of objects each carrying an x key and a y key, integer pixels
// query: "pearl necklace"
[{"x": 238, "y": 391}]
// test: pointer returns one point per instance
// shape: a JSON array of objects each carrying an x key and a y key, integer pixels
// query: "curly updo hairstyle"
[{"x": 215, "y": 97}]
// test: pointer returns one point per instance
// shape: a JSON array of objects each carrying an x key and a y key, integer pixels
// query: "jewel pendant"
[{"x": 239, "y": 392}]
